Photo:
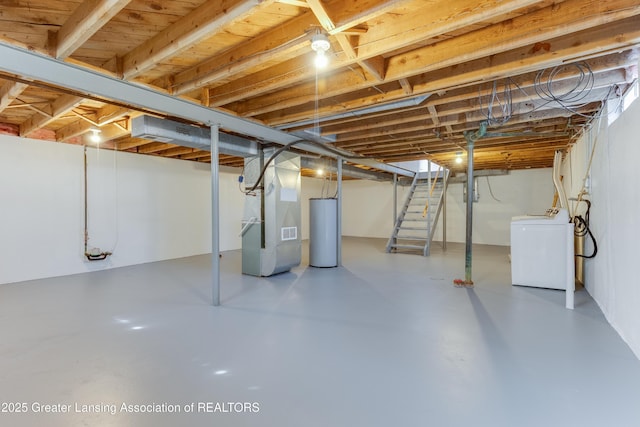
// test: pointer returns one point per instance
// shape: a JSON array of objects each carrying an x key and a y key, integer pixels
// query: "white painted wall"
[
  {"x": 611, "y": 277},
  {"x": 368, "y": 206},
  {"x": 143, "y": 208},
  {"x": 146, "y": 208}
]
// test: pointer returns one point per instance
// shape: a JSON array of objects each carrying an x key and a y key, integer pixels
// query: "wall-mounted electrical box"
[{"x": 476, "y": 193}]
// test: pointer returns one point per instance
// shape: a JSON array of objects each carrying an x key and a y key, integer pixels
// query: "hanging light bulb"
[
  {"x": 95, "y": 135},
  {"x": 320, "y": 44},
  {"x": 321, "y": 59},
  {"x": 459, "y": 157}
]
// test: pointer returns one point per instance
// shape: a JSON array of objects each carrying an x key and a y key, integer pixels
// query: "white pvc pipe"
[{"x": 557, "y": 164}]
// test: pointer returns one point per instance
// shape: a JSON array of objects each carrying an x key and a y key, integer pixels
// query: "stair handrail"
[
  {"x": 400, "y": 216},
  {"x": 433, "y": 186}
]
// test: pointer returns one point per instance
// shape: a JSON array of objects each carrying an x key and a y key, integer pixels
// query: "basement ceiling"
[{"x": 406, "y": 79}]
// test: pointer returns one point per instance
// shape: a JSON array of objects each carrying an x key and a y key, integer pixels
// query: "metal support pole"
[
  {"x": 444, "y": 208},
  {"x": 339, "y": 216},
  {"x": 469, "y": 238},
  {"x": 395, "y": 198},
  {"x": 427, "y": 247},
  {"x": 215, "y": 216}
]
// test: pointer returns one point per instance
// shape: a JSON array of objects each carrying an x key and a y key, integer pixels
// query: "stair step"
[
  {"x": 412, "y": 228},
  {"x": 411, "y": 238},
  {"x": 408, "y": 247},
  {"x": 416, "y": 220}
]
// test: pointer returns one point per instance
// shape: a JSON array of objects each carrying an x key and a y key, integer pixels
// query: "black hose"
[
  {"x": 582, "y": 229},
  {"x": 97, "y": 257},
  {"x": 291, "y": 144},
  {"x": 264, "y": 168}
]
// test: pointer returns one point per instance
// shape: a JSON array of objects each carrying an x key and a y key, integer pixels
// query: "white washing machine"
[{"x": 542, "y": 252}]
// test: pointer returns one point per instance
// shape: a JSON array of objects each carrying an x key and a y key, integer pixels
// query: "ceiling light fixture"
[
  {"x": 320, "y": 44},
  {"x": 95, "y": 135},
  {"x": 459, "y": 157}
]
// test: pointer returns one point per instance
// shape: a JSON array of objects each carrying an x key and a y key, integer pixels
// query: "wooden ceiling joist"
[
  {"x": 85, "y": 21},
  {"x": 407, "y": 78},
  {"x": 210, "y": 17}
]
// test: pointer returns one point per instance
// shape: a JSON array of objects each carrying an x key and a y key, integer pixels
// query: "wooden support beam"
[
  {"x": 9, "y": 92},
  {"x": 60, "y": 106},
  {"x": 484, "y": 44},
  {"x": 345, "y": 43},
  {"x": 375, "y": 66},
  {"x": 85, "y": 21},
  {"x": 105, "y": 115},
  {"x": 155, "y": 147},
  {"x": 406, "y": 86},
  {"x": 108, "y": 132},
  {"x": 442, "y": 19},
  {"x": 219, "y": 71},
  {"x": 298, "y": 3},
  {"x": 177, "y": 151},
  {"x": 347, "y": 15},
  {"x": 607, "y": 72},
  {"x": 132, "y": 143},
  {"x": 434, "y": 115},
  {"x": 197, "y": 154},
  {"x": 323, "y": 16},
  {"x": 198, "y": 24}
]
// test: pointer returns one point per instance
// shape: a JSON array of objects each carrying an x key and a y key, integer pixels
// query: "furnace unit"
[{"x": 271, "y": 241}]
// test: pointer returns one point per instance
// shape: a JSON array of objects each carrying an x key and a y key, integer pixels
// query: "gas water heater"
[{"x": 271, "y": 240}]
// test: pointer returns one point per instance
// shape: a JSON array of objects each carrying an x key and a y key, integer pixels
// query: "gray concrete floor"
[{"x": 385, "y": 340}]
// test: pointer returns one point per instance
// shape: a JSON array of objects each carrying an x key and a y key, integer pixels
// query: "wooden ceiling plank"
[
  {"x": 60, "y": 106},
  {"x": 195, "y": 26},
  {"x": 202, "y": 74},
  {"x": 9, "y": 92},
  {"x": 112, "y": 131},
  {"x": 132, "y": 143},
  {"x": 249, "y": 56},
  {"x": 484, "y": 43},
  {"x": 104, "y": 116},
  {"x": 571, "y": 16},
  {"x": 85, "y": 21},
  {"x": 155, "y": 147},
  {"x": 110, "y": 113},
  {"x": 347, "y": 15},
  {"x": 471, "y": 73},
  {"x": 441, "y": 20},
  {"x": 470, "y": 124},
  {"x": 437, "y": 18},
  {"x": 195, "y": 155},
  {"x": 177, "y": 151}
]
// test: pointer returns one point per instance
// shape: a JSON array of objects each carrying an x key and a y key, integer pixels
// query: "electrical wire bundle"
[
  {"x": 500, "y": 101},
  {"x": 572, "y": 97}
]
